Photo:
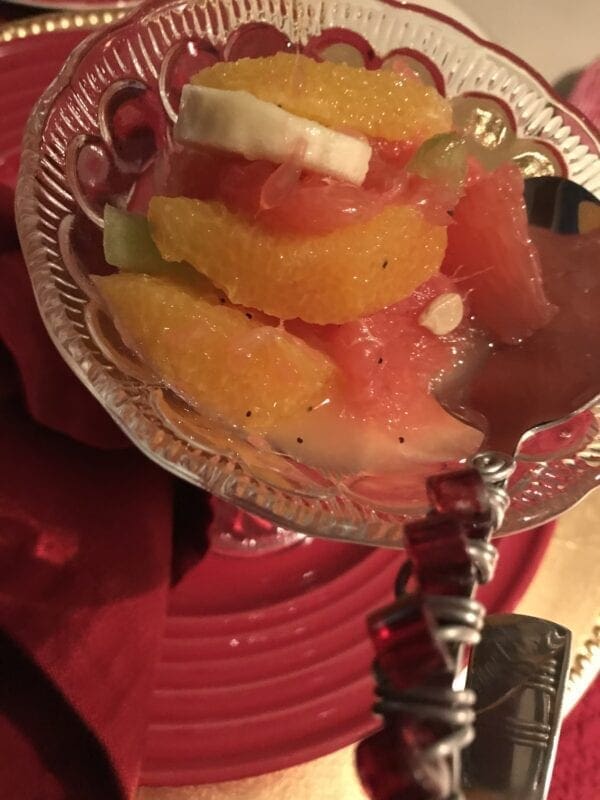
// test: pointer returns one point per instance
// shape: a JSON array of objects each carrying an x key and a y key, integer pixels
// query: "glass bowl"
[{"x": 78, "y": 153}]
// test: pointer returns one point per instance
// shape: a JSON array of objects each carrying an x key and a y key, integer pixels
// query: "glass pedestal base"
[{"x": 237, "y": 533}]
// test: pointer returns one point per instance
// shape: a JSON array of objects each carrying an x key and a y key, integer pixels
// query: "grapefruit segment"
[
  {"x": 285, "y": 199},
  {"x": 390, "y": 362},
  {"x": 229, "y": 362},
  {"x": 491, "y": 256},
  {"x": 388, "y": 417},
  {"x": 304, "y": 204},
  {"x": 332, "y": 278},
  {"x": 389, "y": 359}
]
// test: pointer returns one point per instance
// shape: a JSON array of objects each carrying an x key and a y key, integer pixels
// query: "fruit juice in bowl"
[{"x": 296, "y": 238}]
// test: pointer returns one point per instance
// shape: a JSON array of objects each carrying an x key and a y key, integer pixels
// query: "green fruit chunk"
[
  {"x": 442, "y": 159},
  {"x": 129, "y": 246}
]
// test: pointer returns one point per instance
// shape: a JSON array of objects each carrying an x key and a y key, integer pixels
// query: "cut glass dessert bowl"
[{"x": 95, "y": 134}]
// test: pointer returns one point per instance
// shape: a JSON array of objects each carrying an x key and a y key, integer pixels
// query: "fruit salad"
[{"x": 317, "y": 253}]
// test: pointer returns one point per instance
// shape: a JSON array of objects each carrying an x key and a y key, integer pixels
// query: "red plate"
[
  {"x": 47, "y": 52},
  {"x": 265, "y": 661}
]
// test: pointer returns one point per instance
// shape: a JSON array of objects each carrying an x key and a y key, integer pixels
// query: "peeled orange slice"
[
  {"x": 330, "y": 278},
  {"x": 227, "y": 361},
  {"x": 372, "y": 102}
]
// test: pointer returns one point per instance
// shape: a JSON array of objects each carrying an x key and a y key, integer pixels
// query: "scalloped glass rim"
[{"x": 542, "y": 491}]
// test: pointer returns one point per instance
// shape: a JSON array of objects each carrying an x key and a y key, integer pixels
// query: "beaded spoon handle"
[
  {"x": 421, "y": 640},
  {"x": 518, "y": 672}
]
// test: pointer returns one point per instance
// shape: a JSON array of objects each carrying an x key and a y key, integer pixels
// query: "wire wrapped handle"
[{"x": 422, "y": 640}]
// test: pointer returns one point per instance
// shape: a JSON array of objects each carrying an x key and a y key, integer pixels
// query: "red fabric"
[
  {"x": 577, "y": 770},
  {"x": 85, "y": 556},
  {"x": 53, "y": 395}
]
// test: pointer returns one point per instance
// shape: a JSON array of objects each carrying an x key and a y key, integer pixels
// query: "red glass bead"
[
  {"x": 460, "y": 492},
  {"x": 437, "y": 546},
  {"x": 407, "y": 651},
  {"x": 384, "y": 771},
  {"x": 390, "y": 765}
]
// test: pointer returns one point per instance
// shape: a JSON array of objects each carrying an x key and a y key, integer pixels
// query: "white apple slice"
[
  {"x": 241, "y": 123},
  {"x": 326, "y": 439}
]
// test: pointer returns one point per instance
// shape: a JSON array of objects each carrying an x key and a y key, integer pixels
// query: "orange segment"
[
  {"x": 213, "y": 354},
  {"x": 372, "y": 102},
  {"x": 336, "y": 277}
]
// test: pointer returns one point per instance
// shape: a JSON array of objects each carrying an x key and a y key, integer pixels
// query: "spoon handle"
[
  {"x": 518, "y": 672},
  {"x": 422, "y": 639}
]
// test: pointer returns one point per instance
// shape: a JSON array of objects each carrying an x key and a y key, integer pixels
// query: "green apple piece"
[
  {"x": 128, "y": 245},
  {"x": 442, "y": 159}
]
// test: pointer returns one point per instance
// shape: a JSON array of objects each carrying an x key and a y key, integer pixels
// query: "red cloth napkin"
[
  {"x": 85, "y": 552},
  {"x": 586, "y": 94},
  {"x": 577, "y": 769}
]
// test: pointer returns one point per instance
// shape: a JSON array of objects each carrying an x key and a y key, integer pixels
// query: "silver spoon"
[
  {"x": 555, "y": 374},
  {"x": 516, "y": 391},
  {"x": 518, "y": 672}
]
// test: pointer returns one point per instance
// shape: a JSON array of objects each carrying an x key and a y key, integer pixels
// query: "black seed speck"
[
  {"x": 380, "y": 360},
  {"x": 384, "y": 265},
  {"x": 222, "y": 300},
  {"x": 299, "y": 440},
  {"x": 401, "y": 439},
  {"x": 249, "y": 315},
  {"x": 248, "y": 413}
]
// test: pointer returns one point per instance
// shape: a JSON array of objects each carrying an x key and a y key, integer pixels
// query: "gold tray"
[{"x": 59, "y": 21}]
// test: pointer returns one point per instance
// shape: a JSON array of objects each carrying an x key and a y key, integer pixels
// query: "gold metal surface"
[
  {"x": 566, "y": 588},
  {"x": 62, "y": 21},
  {"x": 332, "y": 777}
]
